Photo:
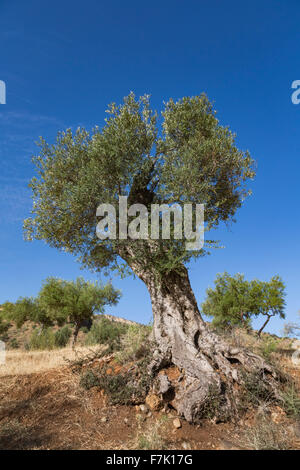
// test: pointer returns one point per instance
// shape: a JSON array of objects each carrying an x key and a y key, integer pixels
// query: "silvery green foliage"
[
  {"x": 234, "y": 301},
  {"x": 190, "y": 159}
]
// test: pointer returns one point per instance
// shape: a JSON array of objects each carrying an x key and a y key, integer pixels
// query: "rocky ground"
[
  {"x": 54, "y": 400},
  {"x": 50, "y": 410}
]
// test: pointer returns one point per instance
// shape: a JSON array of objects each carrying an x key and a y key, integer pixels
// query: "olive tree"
[
  {"x": 60, "y": 302},
  {"x": 190, "y": 159},
  {"x": 4, "y": 325},
  {"x": 269, "y": 299},
  {"x": 235, "y": 301},
  {"x": 230, "y": 302},
  {"x": 75, "y": 301}
]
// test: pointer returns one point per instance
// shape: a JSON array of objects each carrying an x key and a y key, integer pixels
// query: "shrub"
[
  {"x": 105, "y": 331},
  {"x": 256, "y": 391},
  {"x": 213, "y": 407},
  {"x": 126, "y": 388},
  {"x": 44, "y": 339},
  {"x": 118, "y": 388},
  {"x": 4, "y": 326},
  {"x": 268, "y": 346},
  {"x": 4, "y": 337},
  {"x": 14, "y": 344},
  {"x": 291, "y": 401},
  {"x": 16, "y": 435},
  {"x": 134, "y": 343},
  {"x": 89, "y": 380},
  {"x": 62, "y": 336},
  {"x": 123, "y": 388},
  {"x": 84, "y": 329}
]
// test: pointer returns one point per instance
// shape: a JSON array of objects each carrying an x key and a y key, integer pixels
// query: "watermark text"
[
  {"x": 177, "y": 221},
  {"x": 2, "y": 92},
  {"x": 296, "y": 94}
]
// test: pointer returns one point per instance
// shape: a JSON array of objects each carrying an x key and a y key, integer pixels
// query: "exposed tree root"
[{"x": 209, "y": 365}]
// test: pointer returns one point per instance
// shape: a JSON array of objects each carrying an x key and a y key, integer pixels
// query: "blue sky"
[{"x": 64, "y": 61}]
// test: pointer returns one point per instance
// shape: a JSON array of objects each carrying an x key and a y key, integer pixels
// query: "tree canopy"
[
  {"x": 234, "y": 300},
  {"x": 230, "y": 302},
  {"x": 190, "y": 159},
  {"x": 26, "y": 309},
  {"x": 75, "y": 301}
]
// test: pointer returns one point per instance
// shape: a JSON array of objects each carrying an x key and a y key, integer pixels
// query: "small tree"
[
  {"x": 230, "y": 303},
  {"x": 59, "y": 302},
  {"x": 269, "y": 298},
  {"x": 75, "y": 301},
  {"x": 234, "y": 300}
]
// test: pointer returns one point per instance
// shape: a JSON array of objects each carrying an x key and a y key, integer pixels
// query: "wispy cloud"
[
  {"x": 26, "y": 118},
  {"x": 19, "y": 131},
  {"x": 15, "y": 200}
]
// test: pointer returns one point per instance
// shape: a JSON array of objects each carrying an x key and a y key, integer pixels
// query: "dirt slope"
[{"x": 49, "y": 410}]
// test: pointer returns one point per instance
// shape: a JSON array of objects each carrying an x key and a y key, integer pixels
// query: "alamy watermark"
[
  {"x": 296, "y": 94},
  {"x": 2, "y": 92},
  {"x": 181, "y": 221}
]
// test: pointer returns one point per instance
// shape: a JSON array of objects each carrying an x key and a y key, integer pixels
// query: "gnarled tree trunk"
[
  {"x": 207, "y": 361},
  {"x": 264, "y": 325},
  {"x": 75, "y": 334}
]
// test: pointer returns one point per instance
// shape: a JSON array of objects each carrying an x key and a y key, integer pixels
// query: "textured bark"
[
  {"x": 75, "y": 334},
  {"x": 206, "y": 361},
  {"x": 264, "y": 325}
]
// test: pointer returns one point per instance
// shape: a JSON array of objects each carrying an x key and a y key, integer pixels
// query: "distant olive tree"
[
  {"x": 234, "y": 301},
  {"x": 75, "y": 301},
  {"x": 60, "y": 302},
  {"x": 229, "y": 303}
]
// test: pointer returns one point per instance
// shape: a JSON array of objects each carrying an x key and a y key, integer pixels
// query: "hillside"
[
  {"x": 92, "y": 399},
  {"x": 18, "y": 338}
]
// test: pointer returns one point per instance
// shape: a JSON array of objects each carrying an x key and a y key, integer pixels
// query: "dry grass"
[
  {"x": 266, "y": 435},
  {"x": 151, "y": 436},
  {"x": 29, "y": 362}
]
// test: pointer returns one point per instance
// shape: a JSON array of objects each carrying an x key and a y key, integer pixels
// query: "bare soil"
[
  {"x": 42, "y": 406},
  {"x": 49, "y": 410}
]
